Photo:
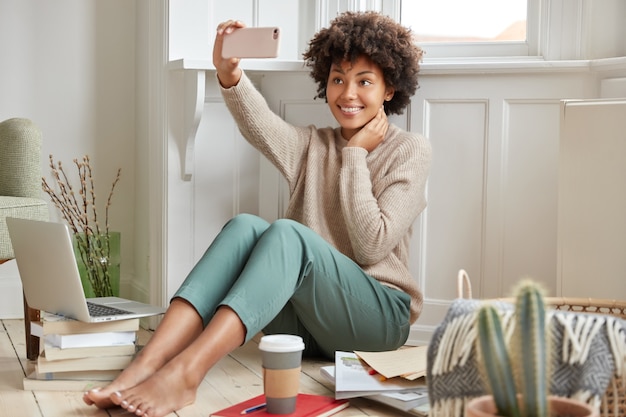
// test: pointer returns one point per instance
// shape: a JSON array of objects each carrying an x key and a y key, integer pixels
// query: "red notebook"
[{"x": 307, "y": 405}]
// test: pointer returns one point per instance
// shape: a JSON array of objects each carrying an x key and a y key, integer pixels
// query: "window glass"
[{"x": 466, "y": 21}]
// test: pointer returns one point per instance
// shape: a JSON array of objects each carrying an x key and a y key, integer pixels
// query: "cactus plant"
[{"x": 517, "y": 373}]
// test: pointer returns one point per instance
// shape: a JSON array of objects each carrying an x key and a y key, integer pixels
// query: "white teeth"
[{"x": 350, "y": 109}]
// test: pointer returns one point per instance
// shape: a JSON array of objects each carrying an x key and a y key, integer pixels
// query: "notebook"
[
  {"x": 50, "y": 278},
  {"x": 307, "y": 405}
]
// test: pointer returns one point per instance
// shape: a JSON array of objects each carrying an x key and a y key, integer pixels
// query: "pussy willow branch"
[
  {"x": 62, "y": 201},
  {"x": 65, "y": 200},
  {"x": 106, "y": 208},
  {"x": 76, "y": 211},
  {"x": 69, "y": 197},
  {"x": 84, "y": 193},
  {"x": 87, "y": 175}
]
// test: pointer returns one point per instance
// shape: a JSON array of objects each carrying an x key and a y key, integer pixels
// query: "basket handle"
[{"x": 464, "y": 285}]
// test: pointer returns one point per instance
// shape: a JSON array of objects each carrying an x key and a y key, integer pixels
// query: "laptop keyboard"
[{"x": 98, "y": 310}]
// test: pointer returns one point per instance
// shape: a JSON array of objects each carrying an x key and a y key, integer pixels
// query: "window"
[
  {"x": 465, "y": 21},
  {"x": 480, "y": 28}
]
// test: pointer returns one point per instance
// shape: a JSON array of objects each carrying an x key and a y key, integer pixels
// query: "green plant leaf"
[
  {"x": 531, "y": 324},
  {"x": 497, "y": 361}
]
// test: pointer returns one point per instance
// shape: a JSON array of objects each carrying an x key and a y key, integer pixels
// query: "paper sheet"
[{"x": 409, "y": 363}]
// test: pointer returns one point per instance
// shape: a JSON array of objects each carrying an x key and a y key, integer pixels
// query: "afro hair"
[{"x": 387, "y": 43}]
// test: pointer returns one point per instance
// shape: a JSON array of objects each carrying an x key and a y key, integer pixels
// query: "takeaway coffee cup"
[{"x": 282, "y": 361}]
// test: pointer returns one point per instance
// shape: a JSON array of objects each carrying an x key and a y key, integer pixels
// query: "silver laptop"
[{"x": 47, "y": 266}]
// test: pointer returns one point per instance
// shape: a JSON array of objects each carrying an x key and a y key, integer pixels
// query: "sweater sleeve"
[
  {"x": 283, "y": 144},
  {"x": 380, "y": 207}
]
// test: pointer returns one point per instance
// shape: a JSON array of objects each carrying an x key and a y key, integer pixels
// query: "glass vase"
[{"x": 98, "y": 259}]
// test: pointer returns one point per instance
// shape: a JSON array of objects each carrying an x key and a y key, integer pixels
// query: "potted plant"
[
  {"x": 517, "y": 373},
  {"x": 97, "y": 248}
]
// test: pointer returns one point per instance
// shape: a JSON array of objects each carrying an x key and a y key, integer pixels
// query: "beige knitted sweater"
[{"x": 363, "y": 203}]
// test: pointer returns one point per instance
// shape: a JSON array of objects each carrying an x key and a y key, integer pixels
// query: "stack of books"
[{"x": 77, "y": 356}]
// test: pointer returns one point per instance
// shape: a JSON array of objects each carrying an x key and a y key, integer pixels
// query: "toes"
[
  {"x": 91, "y": 397},
  {"x": 116, "y": 398},
  {"x": 87, "y": 400},
  {"x": 136, "y": 408},
  {"x": 132, "y": 405},
  {"x": 87, "y": 396}
]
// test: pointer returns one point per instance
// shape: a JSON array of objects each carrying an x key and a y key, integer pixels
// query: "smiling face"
[{"x": 355, "y": 91}]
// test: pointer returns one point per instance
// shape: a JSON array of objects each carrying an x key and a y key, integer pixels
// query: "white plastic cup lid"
[{"x": 281, "y": 343}]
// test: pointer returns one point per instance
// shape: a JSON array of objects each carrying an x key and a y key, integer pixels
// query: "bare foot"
[
  {"x": 134, "y": 374},
  {"x": 157, "y": 396}
]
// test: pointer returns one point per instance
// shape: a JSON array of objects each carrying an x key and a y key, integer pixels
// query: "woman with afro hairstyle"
[{"x": 334, "y": 270}]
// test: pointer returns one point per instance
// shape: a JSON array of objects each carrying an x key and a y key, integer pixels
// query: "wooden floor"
[{"x": 235, "y": 378}]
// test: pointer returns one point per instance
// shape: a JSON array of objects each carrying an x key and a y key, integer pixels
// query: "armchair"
[{"x": 20, "y": 194}]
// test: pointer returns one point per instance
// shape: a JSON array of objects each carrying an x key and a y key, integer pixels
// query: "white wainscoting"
[
  {"x": 592, "y": 199},
  {"x": 492, "y": 191},
  {"x": 11, "y": 301},
  {"x": 493, "y": 187}
]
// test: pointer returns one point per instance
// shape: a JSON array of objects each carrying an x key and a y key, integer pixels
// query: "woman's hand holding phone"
[
  {"x": 235, "y": 41},
  {"x": 228, "y": 71}
]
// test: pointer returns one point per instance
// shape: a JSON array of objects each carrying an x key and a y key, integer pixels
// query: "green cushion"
[
  {"x": 20, "y": 158},
  {"x": 21, "y": 207},
  {"x": 20, "y": 177}
]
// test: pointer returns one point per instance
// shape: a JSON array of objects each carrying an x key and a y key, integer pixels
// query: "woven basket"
[{"x": 614, "y": 400}]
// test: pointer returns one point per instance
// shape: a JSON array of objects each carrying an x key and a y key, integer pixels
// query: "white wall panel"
[
  {"x": 216, "y": 168},
  {"x": 455, "y": 218},
  {"x": 492, "y": 189},
  {"x": 11, "y": 302},
  {"x": 592, "y": 199},
  {"x": 529, "y": 193}
]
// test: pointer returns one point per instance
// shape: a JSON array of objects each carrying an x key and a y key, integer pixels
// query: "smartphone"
[{"x": 252, "y": 42}]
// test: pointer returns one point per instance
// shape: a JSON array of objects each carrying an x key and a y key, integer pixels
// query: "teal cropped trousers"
[{"x": 284, "y": 278}]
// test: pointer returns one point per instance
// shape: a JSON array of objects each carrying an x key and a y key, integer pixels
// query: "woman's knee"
[
  {"x": 290, "y": 233},
  {"x": 247, "y": 222},
  {"x": 288, "y": 226}
]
